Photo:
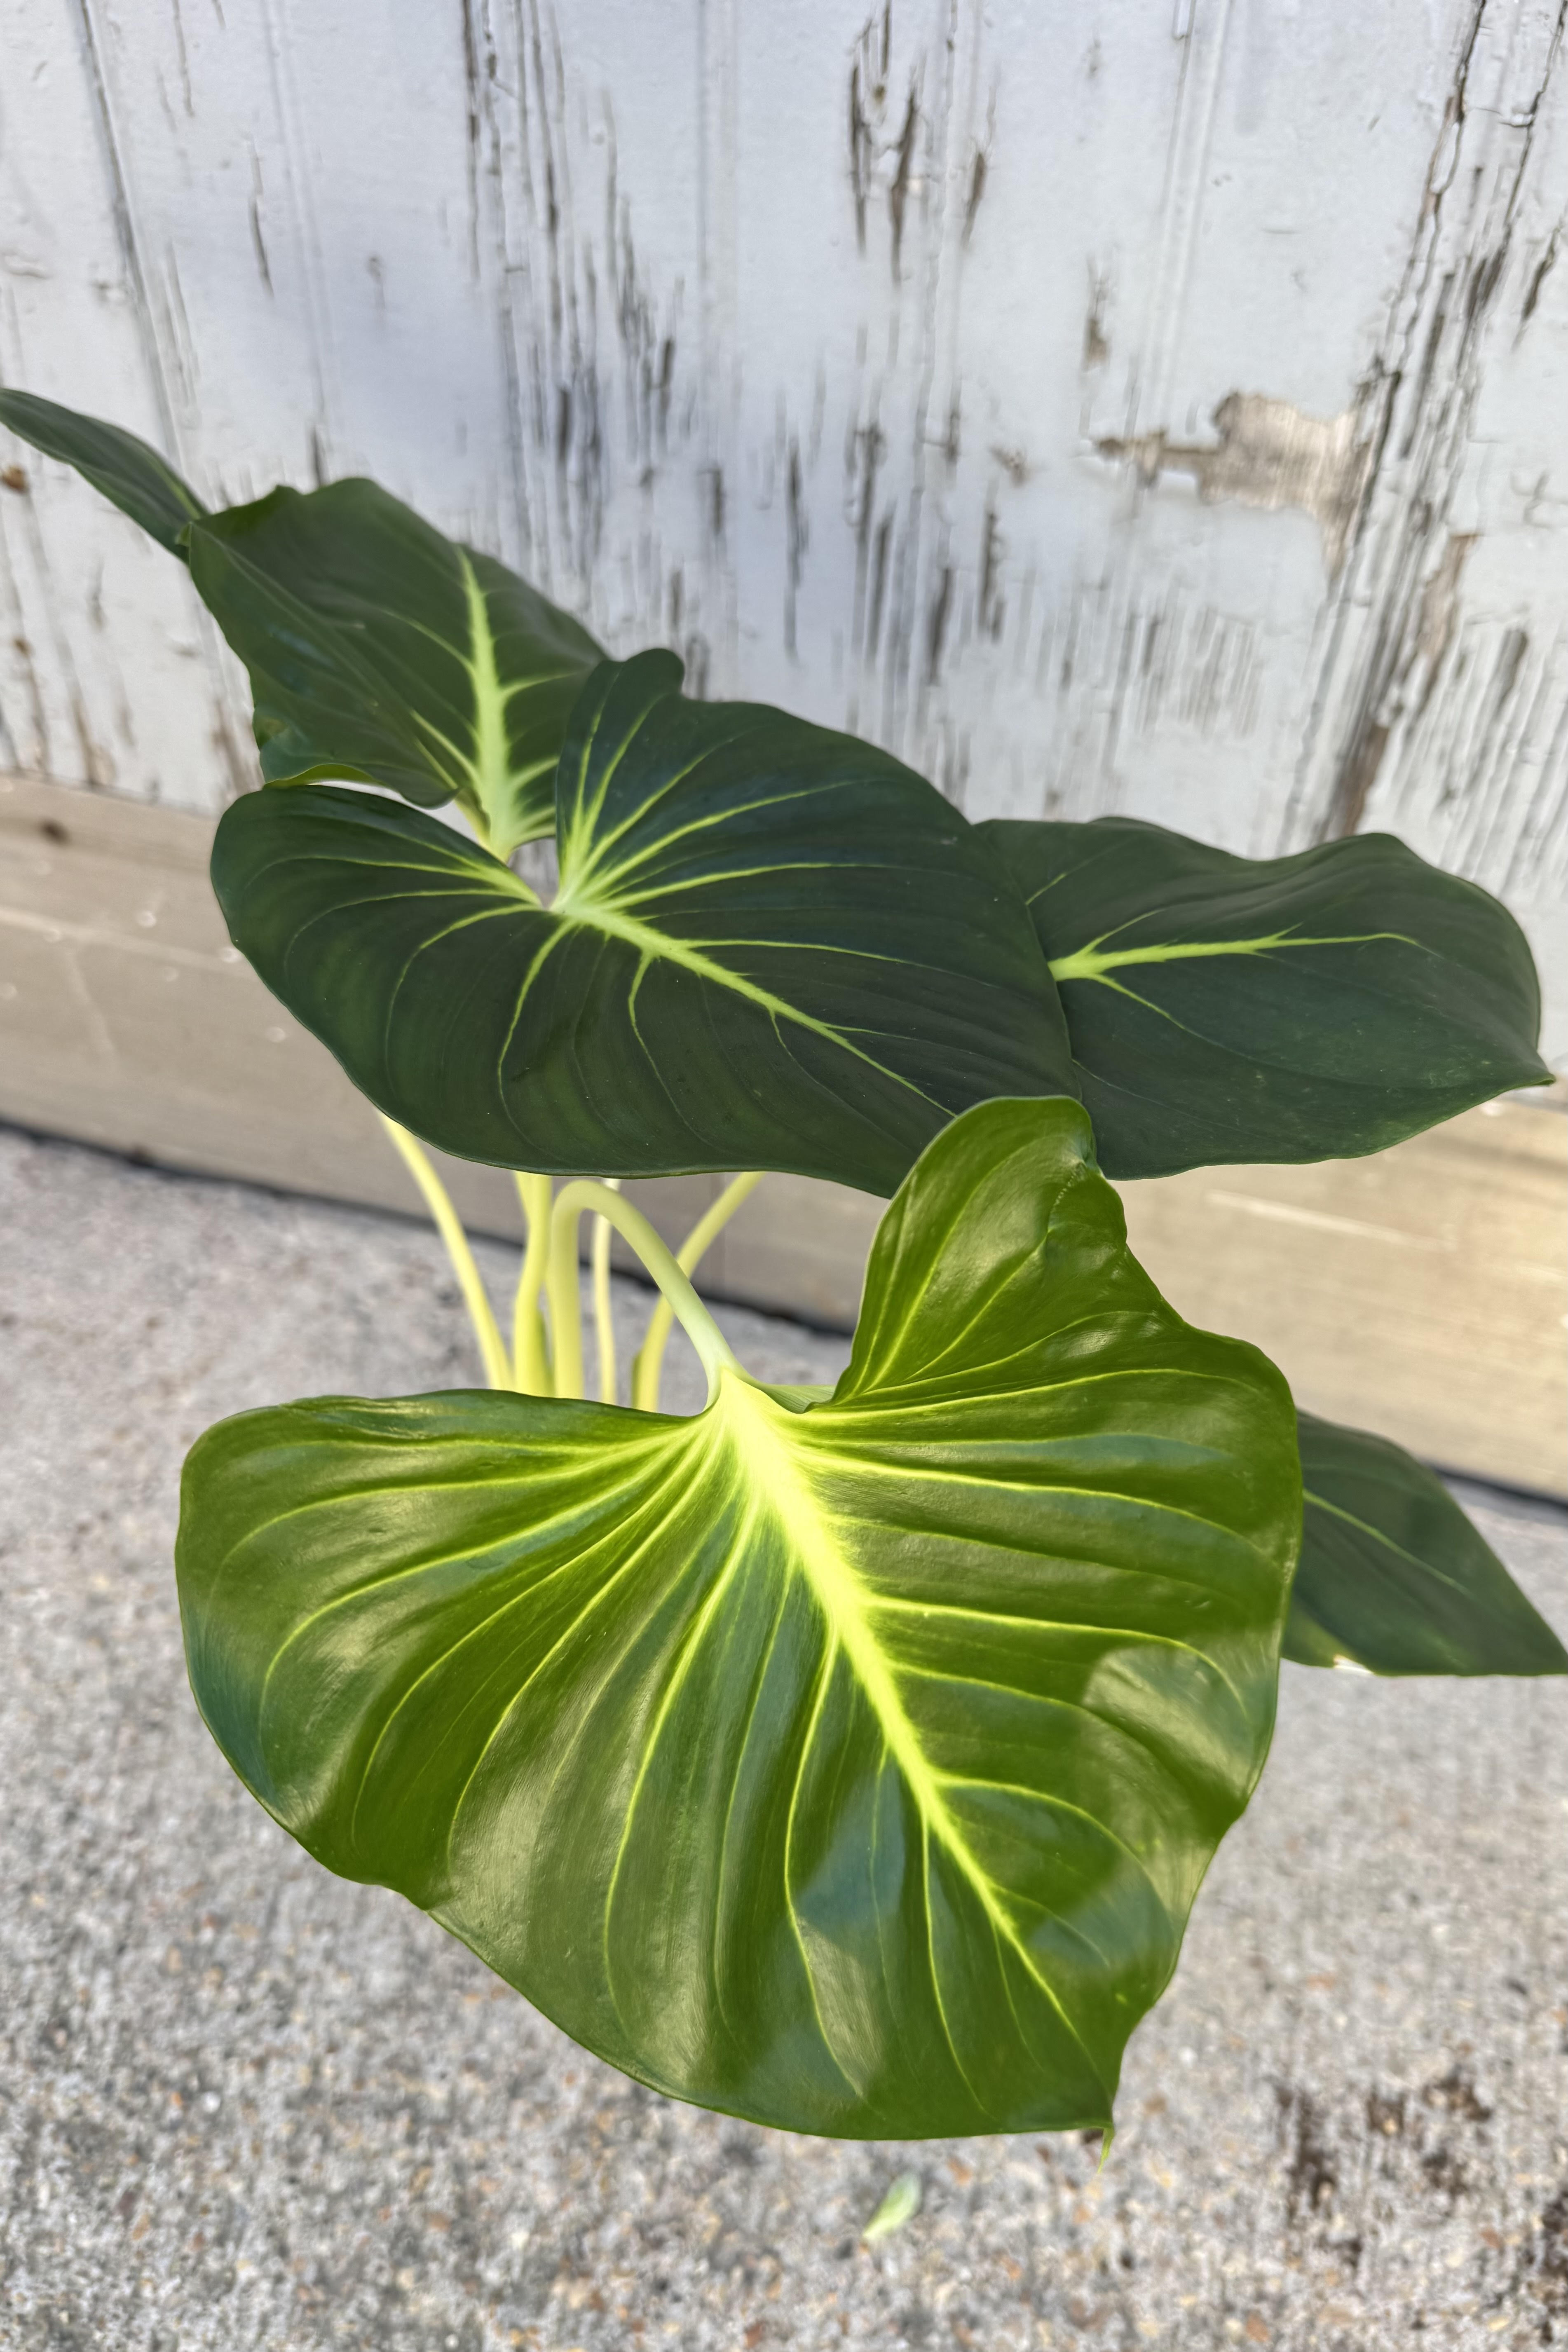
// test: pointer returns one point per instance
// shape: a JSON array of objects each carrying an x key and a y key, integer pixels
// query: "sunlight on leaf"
[{"x": 850, "y": 1765}]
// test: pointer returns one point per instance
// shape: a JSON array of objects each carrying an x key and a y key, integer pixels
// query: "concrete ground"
[{"x": 242, "y": 2105}]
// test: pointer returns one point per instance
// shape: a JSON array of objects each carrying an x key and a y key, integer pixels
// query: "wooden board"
[
  {"x": 1421, "y": 1292},
  {"x": 1155, "y": 409}
]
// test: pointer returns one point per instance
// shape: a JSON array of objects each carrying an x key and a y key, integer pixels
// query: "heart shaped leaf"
[
  {"x": 1310, "y": 1007},
  {"x": 379, "y": 649},
  {"x": 851, "y": 1766},
  {"x": 1394, "y": 1577},
  {"x": 773, "y": 946},
  {"x": 126, "y": 470}
]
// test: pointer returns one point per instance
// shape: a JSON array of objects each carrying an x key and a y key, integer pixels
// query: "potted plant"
[{"x": 845, "y": 1759}]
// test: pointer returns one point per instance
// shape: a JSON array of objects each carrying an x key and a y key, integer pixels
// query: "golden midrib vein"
[
  {"x": 769, "y": 1465},
  {"x": 509, "y": 895},
  {"x": 1090, "y": 962},
  {"x": 655, "y": 945}
]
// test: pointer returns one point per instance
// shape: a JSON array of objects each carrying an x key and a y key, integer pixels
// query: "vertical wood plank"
[
  {"x": 1152, "y": 410},
  {"x": 109, "y": 673}
]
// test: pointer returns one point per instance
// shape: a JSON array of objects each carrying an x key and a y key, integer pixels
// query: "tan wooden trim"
[{"x": 1421, "y": 1292}]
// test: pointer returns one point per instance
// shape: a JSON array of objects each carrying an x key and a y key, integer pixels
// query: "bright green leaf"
[
  {"x": 897, "y": 2210},
  {"x": 379, "y": 649},
  {"x": 773, "y": 946},
  {"x": 1310, "y": 1007},
  {"x": 125, "y": 470},
  {"x": 851, "y": 1767},
  {"x": 1394, "y": 1577}
]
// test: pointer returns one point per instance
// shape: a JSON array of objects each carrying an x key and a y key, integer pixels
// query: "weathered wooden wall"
[{"x": 1158, "y": 405}]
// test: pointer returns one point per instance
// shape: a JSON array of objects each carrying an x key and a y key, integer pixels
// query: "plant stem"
[
  {"x": 498, "y": 1371},
  {"x": 530, "y": 1352},
  {"x": 713, "y": 1350},
  {"x": 603, "y": 1317},
  {"x": 648, "y": 1363}
]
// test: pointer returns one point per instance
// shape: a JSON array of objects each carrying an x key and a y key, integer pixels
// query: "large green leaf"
[
  {"x": 124, "y": 468},
  {"x": 773, "y": 946},
  {"x": 1310, "y": 1007},
  {"x": 379, "y": 649},
  {"x": 1395, "y": 1578},
  {"x": 850, "y": 1765}
]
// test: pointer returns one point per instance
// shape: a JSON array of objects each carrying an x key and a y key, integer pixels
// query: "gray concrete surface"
[{"x": 245, "y": 2105}]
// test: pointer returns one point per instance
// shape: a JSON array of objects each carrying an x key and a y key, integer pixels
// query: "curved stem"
[
  {"x": 565, "y": 1300},
  {"x": 582, "y": 1193},
  {"x": 648, "y": 1363},
  {"x": 530, "y": 1352},
  {"x": 497, "y": 1369},
  {"x": 603, "y": 1317}
]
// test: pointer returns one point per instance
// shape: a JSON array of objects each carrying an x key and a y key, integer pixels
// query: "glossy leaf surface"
[
  {"x": 850, "y": 1765},
  {"x": 1395, "y": 1578},
  {"x": 773, "y": 946},
  {"x": 1310, "y": 1007},
  {"x": 380, "y": 650},
  {"x": 125, "y": 470}
]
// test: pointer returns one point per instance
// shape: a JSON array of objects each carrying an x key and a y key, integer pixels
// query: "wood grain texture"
[
  {"x": 1153, "y": 410},
  {"x": 1146, "y": 410},
  {"x": 1419, "y": 1293}
]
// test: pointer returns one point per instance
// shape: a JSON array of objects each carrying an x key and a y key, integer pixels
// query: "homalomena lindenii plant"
[{"x": 846, "y": 1760}]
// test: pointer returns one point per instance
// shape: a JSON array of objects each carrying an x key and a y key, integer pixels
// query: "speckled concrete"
[{"x": 242, "y": 2105}]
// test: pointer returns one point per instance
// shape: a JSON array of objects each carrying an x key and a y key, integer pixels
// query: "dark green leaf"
[
  {"x": 773, "y": 946},
  {"x": 1311, "y": 1007},
  {"x": 377, "y": 648},
  {"x": 1395, "y": 1578},
  {"x": 850, "y": 1767},
  {"x": 124, "y": 468},
  {"x": 381, "y": 650}
]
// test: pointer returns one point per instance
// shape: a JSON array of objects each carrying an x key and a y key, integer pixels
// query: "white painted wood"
[
  {"x": 1151, "y": 407},
  {"x": 108, "y": 672}
]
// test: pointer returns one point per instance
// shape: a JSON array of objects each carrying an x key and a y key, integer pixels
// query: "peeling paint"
[
  {"x": 1439, "y": 613},
  {"x": 798, "y": 540},
  {"x": 1537, "y": 279},
  {"x": 1267, "y": 455},
  {"x": 867, "y": 97},
  {"x": 903, "y": 170},
  {"x": 1096, "y": 342},
  {"x": 1391, "y": 641},
  {"x": 977, "y": 172},
  {"x": 861, "y": 490},
  {"x": 256, "y": 238}
]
